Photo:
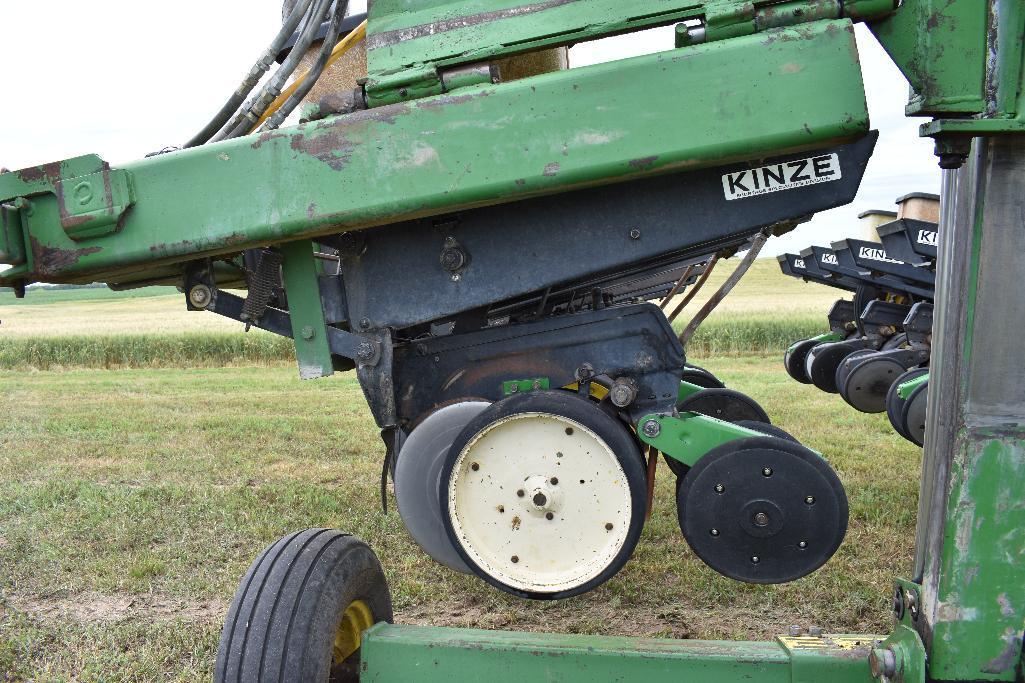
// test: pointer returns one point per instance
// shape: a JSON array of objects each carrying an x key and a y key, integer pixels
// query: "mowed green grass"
[{"x": 132, "y": 501}]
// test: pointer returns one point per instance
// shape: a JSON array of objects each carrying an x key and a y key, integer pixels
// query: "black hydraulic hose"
[
  {"x": 245, "y": 119},
  {"x": 315, "y": 71},
  {"x": 261, "y": 67}
]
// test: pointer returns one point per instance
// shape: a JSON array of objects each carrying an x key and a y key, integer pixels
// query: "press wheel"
[
  {"x": 762, "y": 510},
  {"x": 895, "y": 404},
  {"x": 545, "y": 495},
  {"x": 866, "y": 384},
  {"x": 793, "y": 359},
  {"x": 913, "y": 414},
  {"x": 823, "y": 360}
]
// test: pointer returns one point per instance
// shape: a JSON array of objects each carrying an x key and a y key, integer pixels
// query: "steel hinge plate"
[{"x": 92, "y": 205}]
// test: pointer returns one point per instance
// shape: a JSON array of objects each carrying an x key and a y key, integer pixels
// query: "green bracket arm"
[
  {"x": 309, "y": 329},
  {"x": 690, "y": 436}
]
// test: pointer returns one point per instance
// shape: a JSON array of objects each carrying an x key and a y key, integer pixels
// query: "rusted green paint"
[
  {"x": 487, "y": 145},
  {"x": 979, "y": 610}
]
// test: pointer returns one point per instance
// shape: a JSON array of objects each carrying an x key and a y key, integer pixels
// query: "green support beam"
[
  {"x": 683, "y": 109},
  {"x": 309, "y": 329},
  {"x": 426, "y": 654}
]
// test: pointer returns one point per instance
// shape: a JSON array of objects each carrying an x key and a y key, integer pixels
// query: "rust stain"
[
  {"x": 551, "y": 169},
  {"x": 643, "y": 163},
  {"x": 192, "y": 247},
  {"x": 51, "y": 172},
  {"x": 54, "y": 260},
  {"x": 332, "y": 147},
  {"x": 267, "y": 137}
]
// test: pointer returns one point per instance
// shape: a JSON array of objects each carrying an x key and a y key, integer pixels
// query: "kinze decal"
[
  {"x": 799, "y": 263},
  {"x": 786, "y": 175},
  {"x": 928, "y": 237},
  {"x": 877, "y": 255},
  {"x": 830, "y": 259}
]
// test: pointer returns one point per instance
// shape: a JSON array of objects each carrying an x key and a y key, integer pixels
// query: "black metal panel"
[
  {"x": 872, "y": 256},
  {"x": 805, "y": 269},
  {"x": 632, "y": 341},
  {"x": 911, "y": 241},
  {"x": 880, "y": 313},
  {"x": 828, "y": 261},
  {"x": 395, "y": 276}
]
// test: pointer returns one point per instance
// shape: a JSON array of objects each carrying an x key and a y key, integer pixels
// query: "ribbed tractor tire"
[{"x": 289, "y": 608}]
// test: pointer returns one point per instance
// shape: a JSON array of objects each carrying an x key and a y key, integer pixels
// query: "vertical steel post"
[{"x": 971, "y": 535}]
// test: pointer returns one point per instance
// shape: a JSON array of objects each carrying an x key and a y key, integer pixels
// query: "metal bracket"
[{"x": 92, "y": 205}]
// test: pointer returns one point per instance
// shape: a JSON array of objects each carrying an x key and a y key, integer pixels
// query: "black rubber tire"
[
  {"x": 912, "y": 414},
  {"x": 848, "y": 364},
  {"x": 701, "y": 377},
  {"x": 767, "y": 429},
  {"x": 793, "y": 359},
  {"x": 895, "y": 404},
  {"x": 693, "y": 502},
  {"x": 608, "y": 428},
  {"x": 825, "y": 359},
  {"x": 865, "y": 386},
  {"x": 724, "y": 404},
  {"x": 282, "y": 622}
]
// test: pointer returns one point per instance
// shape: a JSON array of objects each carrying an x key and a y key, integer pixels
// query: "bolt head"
[
  {"x": 308, "y": 333},
  {"x": 755, "y": 559},
  {"x": 795, "y": 631},
  {"x": 364, "y": 323},
  {"x": 882, "y": 662},
  {"x": 802, "y": 544},
  {"x": 766, "y": 471},
  {"x": 635, "y": 234},
  {"x": 713, "y": 532},
  {"x": 719, "y": 488},
  {"x": 365, "y": 351},
  {"x": 651, "y": 428},
  {"x": 200, "y": 296},
  {"x": 809, "y": 500}
]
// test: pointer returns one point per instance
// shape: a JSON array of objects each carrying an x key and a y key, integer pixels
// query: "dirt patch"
[{"x": 98, "y": 608}]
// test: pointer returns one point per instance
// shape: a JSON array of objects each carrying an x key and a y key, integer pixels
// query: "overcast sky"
[{"x": 123, "y": 78}]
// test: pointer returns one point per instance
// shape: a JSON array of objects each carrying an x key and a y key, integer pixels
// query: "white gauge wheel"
[
  {"x": 417, "y": 476},
  {"x": 540, "y": 503}
]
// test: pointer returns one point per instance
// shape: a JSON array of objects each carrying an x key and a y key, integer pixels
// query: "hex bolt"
[
  {"x": 537, "y": 384},
  {"x": 651, "y": 428},
  {"x": 623, "y": 393},
  {"x": 882, "y": 662},
  {"x": 795, "y": 631},
  {"x": 364, "y": 323},
  {"x": 475, "y": 467},
  {"x": 766, "y": 471},
  {"x": 761, "y": 519},
  {"x": 810, "y": 500},
  {"x": 200, "y": 296},
  {"x": 815, "y": 631},
  {"x": 456, "y": 277},
  {"x": 514, "y": 388},
  {"x": 719, "y": 488},
  {"x": 365, "y": 351},
  {"x": 755, "y": 559},
  {"x": 802, "y": 545},
  {"x": 608, "y": 526},
  {"x": 635, "y": 234},
  {"x": 714, "y": 532},
  {"x": 554, "y": 481},
  {"x": 911, "y": 602},
  {"x": 501, "y": 508},
  {"x": 309, "y": 333},
  {"x": 515, "y": 559},
  {"x": 549, "y": 516}
]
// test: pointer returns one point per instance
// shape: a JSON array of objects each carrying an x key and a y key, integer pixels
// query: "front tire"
[{"x": 300, "y": 611}]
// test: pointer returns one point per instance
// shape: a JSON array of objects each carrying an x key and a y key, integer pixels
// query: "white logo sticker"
[
  {"x": 877, "y": 255},
  {"x": 928, "y": 237},
  {"x": 783, "y": 176},
  {"x": 830, "y": 259},
  {"x": 799, "y": 263}
]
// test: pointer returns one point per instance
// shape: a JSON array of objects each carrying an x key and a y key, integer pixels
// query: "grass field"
[{"x": 132, "y": 501}]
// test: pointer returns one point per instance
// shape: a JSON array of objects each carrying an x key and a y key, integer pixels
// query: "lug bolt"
[
  {"x": 755, "y": 559},
  {"x": 719, "y": 488},
  {"x": 608, "y": 526},
  {"x": 549, "y": 516},
  {"x": 475, "y": 467},
  {"x": 714, "y": 532},
  {"x": 761, "y": 519},
  {"x": 651, "y": 428},
  {"x": 521, "y": 493},
  {"x": 515, "y": 559},
  {"x": 766, "y": 471},
  {"x": 810, "y": 500},
  {"x": 200, "y": 296},
  {"x": 802, "y": 544},
  {"x": 554, "y": 480}
]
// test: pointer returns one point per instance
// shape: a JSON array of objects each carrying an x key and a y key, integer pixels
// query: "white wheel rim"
[{"x": 510, "y": 537}]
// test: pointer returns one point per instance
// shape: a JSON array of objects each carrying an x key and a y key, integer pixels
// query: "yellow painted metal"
[{"x": 356, "y": 619}]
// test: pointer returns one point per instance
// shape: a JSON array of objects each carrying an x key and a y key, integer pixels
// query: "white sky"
[{"x": 123, "y": 78}]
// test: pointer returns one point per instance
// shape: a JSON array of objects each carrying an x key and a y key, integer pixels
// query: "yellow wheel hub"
[{"x": 355, "y": 621}]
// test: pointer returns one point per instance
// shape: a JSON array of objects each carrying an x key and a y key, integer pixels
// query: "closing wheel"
[
  {"x": 793, "y": 359},
  {"x": 301, "y": 610},
  {"x": 724, "y": 404},
  {"x": 762, "y": 510},
  {"x": 701, "y": 377},
  {"x": 895, "y": 404},
  {"x": 823, "y": 360},
  {"x": 865, "y": 385},
  {"x": 848, "y": 364},
  {"x": 545, "y": 495},
  {"x": 913, "y": 414},
  {"x": 417, "y": 477}
]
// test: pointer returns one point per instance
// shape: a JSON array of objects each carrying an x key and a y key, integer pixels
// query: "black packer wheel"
[
  {"x": 793, "y": 359},
  {"x": 762, "y": 510},
  {"x": 895, "y": 404},
  {"x": 823, "y": 360},
  {"x": 867, "y": 383},
  {"x": 912, "y": 415}
]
